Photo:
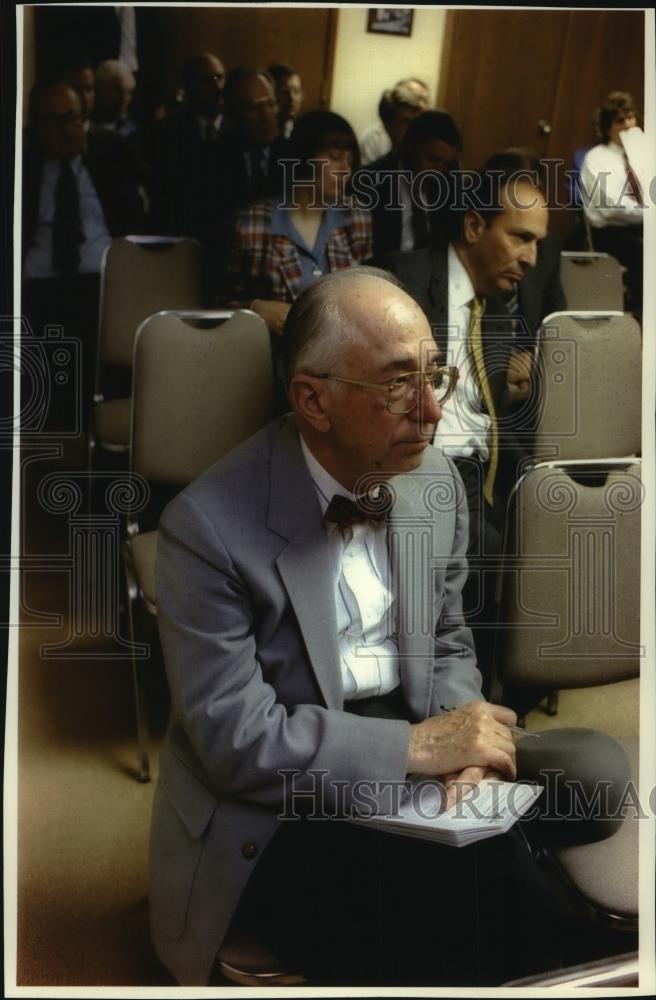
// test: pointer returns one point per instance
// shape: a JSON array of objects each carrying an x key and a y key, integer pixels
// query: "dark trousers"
[
  {"x": 625, "y": 243},
  {"x": 347, "y": 905}
]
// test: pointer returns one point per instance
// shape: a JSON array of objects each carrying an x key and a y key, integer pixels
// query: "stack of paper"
[{"x": 489, "y": 808}]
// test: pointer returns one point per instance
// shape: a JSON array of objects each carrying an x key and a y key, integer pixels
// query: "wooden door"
[
  {"x": 256, "y": 36},
  {"x": 534, "y": 78}
]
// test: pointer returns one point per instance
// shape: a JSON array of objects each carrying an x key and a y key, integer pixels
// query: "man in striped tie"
[{"x": 487, "y": 243}]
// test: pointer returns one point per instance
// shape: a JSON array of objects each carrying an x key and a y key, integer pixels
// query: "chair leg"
[
  {"x": 551, "y": 707},
  {"x": 132, "y": 595},
  {"x": 142, "y": 728}
]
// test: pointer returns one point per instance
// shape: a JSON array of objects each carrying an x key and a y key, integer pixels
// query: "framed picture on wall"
[{"x": 390, "y": 20}]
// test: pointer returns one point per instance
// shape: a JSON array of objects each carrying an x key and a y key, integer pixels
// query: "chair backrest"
[
  {"x": 588, "y": 387},
  {"x": 591, "y": 281},
  {"x": 202, "y": 383},
  {"x": 139, "y": 277},
  {"x": 570, "y": 585}
]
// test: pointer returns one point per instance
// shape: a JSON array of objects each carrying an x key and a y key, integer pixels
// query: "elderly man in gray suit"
[{"x": 311, "y": 653}]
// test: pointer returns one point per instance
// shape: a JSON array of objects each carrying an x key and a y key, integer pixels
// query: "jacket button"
[{"x": 249, "y": 850}]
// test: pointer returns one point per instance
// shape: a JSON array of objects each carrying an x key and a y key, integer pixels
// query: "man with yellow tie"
[{"x": 488, "y": 240}]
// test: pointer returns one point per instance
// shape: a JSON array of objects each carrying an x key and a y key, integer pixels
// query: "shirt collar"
[
  {"x": 325, "y": 485},
  {"x": 461, "y": 290},
  {"x": 54, "y": 165},
  {"x": 204, "y": 122},
  {"x": 281, "y": 223}
]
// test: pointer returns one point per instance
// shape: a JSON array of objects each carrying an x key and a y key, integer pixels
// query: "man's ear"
[
  {"x": 307, "y": 396},
  {"x": 474, "y": 225}
]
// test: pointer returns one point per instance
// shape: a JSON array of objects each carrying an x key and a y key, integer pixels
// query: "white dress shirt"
[
  {"x": 38, "y": 261},
  {"x": 364, "y": 601},
  {"x": 604, "y": 180},
  {"x": 464, "y": 427},
  {"x": 374, "y": 142},
  {"x": 215, "y": 123}
]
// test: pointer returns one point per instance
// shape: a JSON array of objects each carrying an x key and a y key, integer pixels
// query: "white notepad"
[{"x": 490, "y": 808}]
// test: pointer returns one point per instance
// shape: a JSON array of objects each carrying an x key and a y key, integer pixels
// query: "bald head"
[
  {"x": 357, "y": 336},
  {"x": 316, "y": 328},
  {"x": 115, "y": 86},
  {"x": 203, "y": 79},
  {"x": 497, "y": 249}
]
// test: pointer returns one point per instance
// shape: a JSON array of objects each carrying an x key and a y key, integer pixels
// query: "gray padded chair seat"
[
  {"x": 582, "y": 361},
  {"x": 617, "y": 857},
  {"x": 144, "y": 554},
  {"x": 111, "y": 420},
  {"x": 202, "y": 383},
  {"x": 591, "y": 281}
]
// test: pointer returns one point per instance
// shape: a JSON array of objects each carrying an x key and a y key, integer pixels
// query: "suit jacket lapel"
[
  {"x": 498, "y": 338},
  {"x": 438, "y": 294},
  {"x": 411, "y": 545},
  {"x": 307, "y": 563}
]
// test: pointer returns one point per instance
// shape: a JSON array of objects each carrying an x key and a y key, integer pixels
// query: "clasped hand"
[{"x": 464, "y": 745}]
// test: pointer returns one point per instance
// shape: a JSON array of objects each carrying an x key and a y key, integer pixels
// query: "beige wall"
[{"x": 366, "y": 63}]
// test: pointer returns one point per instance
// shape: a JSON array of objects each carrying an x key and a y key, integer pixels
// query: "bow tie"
[{"x": 345, "y": 512}]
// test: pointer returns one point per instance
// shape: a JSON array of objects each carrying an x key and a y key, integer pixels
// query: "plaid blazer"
[{"x": 264, "y": 266}]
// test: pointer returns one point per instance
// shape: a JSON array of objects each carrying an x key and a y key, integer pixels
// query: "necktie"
[
  {"x": 512, "y": 305},
  {"x": 258, "y": 174},
  {"x": 419, "y": 227},
  {"x": 210, "y": 133},
  {"x": 632, "y": 181},
  {"x": 476, "y": 345},
  {"x": 345, "y": 512},
  {"x": 67, "y": 231}
]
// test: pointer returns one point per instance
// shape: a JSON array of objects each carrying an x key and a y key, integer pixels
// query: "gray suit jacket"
[{"x": 248, "y": 628}]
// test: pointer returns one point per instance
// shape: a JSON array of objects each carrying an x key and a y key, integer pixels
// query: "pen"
[{"x": 513, "y": 729}]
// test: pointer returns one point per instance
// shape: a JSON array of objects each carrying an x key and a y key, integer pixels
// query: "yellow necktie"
[{"x": 476, "y": 344}]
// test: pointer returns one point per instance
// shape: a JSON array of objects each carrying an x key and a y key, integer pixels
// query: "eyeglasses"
[
  {"x": 404, "y": 390},
  {"x": 53, "y": 118},
  {"x": 262, "y": 104},
  {"x": 213, "y": 77}
]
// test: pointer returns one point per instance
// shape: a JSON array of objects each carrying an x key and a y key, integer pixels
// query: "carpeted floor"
[{"x": 83, "y": 818}]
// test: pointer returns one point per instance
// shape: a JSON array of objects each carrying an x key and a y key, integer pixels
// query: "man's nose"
[
  {"x": 529, "y": 254},
  {"x": 427, "y": 410}
]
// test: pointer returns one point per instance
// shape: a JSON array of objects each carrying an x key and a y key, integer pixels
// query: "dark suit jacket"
[
  {"x": 424, "y": 274},
  {"x": 540, "y": 292},
  {"x": 112, "y": 171},
  {"x": 186, "y": 193},
  {"x": 249, "y": 636},
  {"x": 235, "y": 178},
  {"x": 65, "y": 31},
  {"x": 380, "y": 179}
]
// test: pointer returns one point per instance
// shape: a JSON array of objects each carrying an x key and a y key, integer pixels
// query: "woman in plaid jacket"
[{"x": 279, "y": 247}]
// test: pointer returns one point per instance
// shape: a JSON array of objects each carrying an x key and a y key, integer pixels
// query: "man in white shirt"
[
  {"x": 78, "y": 191},
  {"x": 485, "y": 247},
  {"x": 396, "y": 109},
  {"x": 115, "y": 87},
  {"x": 404, "y": 185},
  {"x": 309, "y": 607},
  {"x": 612, "y": 195}
]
